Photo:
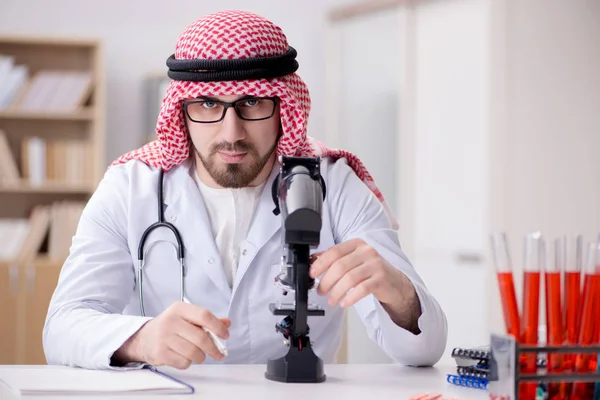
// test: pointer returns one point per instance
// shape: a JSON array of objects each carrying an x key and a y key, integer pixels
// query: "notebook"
[{"x": 57, "y": 380}]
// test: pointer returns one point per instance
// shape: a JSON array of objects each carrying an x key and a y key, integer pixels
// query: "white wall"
[
  {"x": 139, "y": 35},
  {"x": 545, "y": 170}
]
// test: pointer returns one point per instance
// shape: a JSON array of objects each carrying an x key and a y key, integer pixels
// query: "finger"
[
  {"x": 200, "y": 339},
  {"x": 349, "y": 281},
  {"x": 341, "y": 267},
  {"x": 173, "y": 359},
  {"x": 226, "y": 321},
  {"x": 314, "y": 256},
  {"x": 329, "y": 256},
  {"x": 365, "y": 288},
  {"x": 209, "y": 346},
  {"x": 187, "y": 349},
  {"x": 202, "y": 317}
]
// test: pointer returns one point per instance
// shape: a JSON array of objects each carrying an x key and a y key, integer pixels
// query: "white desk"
[{"x": 344, "y": 382}]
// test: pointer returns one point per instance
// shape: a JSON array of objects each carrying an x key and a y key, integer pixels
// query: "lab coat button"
[
  {"x": 211, "y": 260},
  {"x": 174, "y": 218},
  {"x": 244, "y": 252}
]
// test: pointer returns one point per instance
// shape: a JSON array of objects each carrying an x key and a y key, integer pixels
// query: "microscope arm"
[{"x": 301, "y": 265}]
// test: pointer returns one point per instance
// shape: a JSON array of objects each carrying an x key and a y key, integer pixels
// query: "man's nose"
[{"x": 232, "y": 128}]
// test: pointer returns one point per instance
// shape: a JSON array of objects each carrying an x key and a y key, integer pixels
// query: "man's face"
[{"x": 234, "y": 152}]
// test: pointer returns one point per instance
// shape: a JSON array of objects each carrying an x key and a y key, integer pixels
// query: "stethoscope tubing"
[{"x": 179, "y": 249}]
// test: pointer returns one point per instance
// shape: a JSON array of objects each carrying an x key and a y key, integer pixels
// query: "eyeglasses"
[{"x": 248, "y": 109}]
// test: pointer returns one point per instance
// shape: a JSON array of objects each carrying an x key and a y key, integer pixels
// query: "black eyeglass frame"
[{"x": 227, "y": 105}]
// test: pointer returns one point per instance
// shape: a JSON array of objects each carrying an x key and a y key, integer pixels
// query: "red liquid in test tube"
[
  {"x": 506, "y": 285},
  {"x": 534, "y": 257},
  {"x": 569, "y": 253},
  {"x": 591, "y": 302},
  {"x": 554, "y": 315},
  {"x": 574, "y": 257}
]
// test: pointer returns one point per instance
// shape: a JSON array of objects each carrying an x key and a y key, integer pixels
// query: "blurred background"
[{"x": 473, "y": 116}]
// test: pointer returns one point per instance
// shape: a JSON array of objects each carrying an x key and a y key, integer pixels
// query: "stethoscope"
[{"x": 179, "y": 249}]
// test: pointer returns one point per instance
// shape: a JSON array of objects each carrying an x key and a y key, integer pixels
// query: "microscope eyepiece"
[{"x": 298, "y": 193}]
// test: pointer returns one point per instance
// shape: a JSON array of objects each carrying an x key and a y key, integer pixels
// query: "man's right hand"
[{"x": 175, "y": 338}]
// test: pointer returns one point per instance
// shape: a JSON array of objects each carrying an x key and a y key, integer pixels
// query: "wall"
[
  {"x": 546, "y": 169},
  {"x": 139, "y": 35}
]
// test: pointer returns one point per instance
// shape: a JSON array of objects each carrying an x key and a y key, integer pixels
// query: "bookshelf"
[
  {"x": 84, "y": 114},
  {"x": 52, "y": 156}
]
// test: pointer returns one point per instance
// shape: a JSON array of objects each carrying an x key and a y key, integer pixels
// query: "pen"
[{"x": 220, "y": 346}]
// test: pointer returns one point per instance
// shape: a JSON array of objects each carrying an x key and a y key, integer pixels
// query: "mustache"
[{"x": 232, "y": 147}]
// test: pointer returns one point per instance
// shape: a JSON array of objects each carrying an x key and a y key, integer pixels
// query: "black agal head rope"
[{"x": 234, "y": 69}]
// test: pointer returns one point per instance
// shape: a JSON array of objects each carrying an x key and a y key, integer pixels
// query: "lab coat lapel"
[
  {"x": 264, "y": 225},
  {"x": 185, "y": 209}
]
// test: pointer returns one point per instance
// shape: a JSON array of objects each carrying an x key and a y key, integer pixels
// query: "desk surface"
[{"x": 344, "y": 381}]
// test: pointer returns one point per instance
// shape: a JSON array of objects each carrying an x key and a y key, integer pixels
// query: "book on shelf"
[
  {"x": 13, "y": 79},
  {"x": 55, "y": 91},
  {"x": 39, "y": 222},
  {"x": 53, "y": 224},
  {"x": 13, "y": 232},
  {"x": 45, "y": 160},
  {"x": 9, "y": 172},
  {"x": 48, "y": 90},
  {"x": 64, "y": 218},
  {"x": 55, "y": 160}
]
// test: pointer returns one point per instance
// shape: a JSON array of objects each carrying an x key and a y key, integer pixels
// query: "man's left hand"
[{"x": 353, "y": 270}]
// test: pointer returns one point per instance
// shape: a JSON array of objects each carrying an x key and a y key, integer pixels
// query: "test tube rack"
[{"x": 504, "y": 372}]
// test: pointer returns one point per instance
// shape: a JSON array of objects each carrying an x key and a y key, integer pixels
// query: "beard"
[{"x": 234, "y": 175}]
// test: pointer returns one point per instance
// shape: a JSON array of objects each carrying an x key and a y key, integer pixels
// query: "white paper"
[{"x": 64, "y": 380}]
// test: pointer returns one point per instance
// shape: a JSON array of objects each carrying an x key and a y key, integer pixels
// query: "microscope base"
[{"x": 296, "y": 367}]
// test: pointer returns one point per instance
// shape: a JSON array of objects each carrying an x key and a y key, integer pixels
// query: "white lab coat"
[{"x": 95, "y": 307}]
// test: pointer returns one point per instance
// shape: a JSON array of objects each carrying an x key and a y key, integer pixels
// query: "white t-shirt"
[{"x": 230, "y": 212}]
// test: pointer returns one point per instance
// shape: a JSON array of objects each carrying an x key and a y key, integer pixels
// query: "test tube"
[
  {"x": 597, "y": 386},
  {"x": 554, "y": 314},
  {"x": 504, "y": 272},
  {"x": 572, "y": 259},
  {"x": 534, "y": 258},
  {"x": 591, "y": 301}
]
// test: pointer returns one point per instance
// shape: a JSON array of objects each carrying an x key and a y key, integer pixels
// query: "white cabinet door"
[{"x": 408, "y": 92}]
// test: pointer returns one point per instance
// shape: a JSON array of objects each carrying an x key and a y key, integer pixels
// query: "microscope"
[{"x": 298, "y": 194}]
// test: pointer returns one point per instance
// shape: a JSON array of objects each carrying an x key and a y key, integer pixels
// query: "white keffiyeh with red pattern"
[{"x": 233, "y": 35}]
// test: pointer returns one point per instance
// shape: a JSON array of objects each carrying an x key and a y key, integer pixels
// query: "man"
[{"x": 234, "y": 105}]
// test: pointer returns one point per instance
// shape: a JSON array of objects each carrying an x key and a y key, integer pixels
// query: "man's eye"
[
  {"x": 251, "y": 102},
  {"x": 208, "y": 104}
]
